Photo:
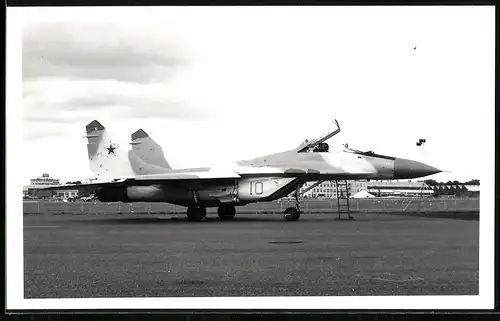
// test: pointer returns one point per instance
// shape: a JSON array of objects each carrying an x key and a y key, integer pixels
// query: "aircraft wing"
[
  {"x": 310, "y": 144},
  {"x": 201, "y": 175},
  {"x": 191, "y": 177}
]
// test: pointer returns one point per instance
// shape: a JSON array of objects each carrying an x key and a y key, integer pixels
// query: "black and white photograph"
[{"x": 289, "y": 157}]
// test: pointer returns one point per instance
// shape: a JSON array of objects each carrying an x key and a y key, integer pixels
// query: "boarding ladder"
[{"x": 343, "y": 206}]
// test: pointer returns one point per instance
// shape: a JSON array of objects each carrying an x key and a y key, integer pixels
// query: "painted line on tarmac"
[
  {"x": 393, "y": 279},
  {"x": 403, "y": 280},
  {"x": 46, "y": 226}
]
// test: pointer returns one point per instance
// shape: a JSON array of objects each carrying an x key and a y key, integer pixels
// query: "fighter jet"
[{"x": 143, "y": 175}]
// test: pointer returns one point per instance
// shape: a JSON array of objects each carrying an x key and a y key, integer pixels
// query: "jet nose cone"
[{"x": 405, "y": 168}]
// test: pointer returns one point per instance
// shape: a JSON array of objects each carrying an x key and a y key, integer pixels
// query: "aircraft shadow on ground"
[
  {"x": 180, "y": 220},
  {"x": 214, "y": 219},
  {"x": 278, "y": 218}
]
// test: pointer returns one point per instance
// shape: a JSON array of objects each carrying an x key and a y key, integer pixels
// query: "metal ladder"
[{"x": 343, "y": 194}]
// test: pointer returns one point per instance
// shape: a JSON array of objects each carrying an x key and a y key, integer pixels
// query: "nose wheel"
[{"x": 293, "y": 213}]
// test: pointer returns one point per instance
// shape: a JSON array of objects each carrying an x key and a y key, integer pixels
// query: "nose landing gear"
[{"x": 293, "y": 213}]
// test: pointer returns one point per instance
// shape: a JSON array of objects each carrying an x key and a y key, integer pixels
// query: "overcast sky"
[{"x": 218, "y": 84}]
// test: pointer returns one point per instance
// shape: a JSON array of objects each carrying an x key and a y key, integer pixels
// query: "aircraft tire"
[
  {"x": 292, "y": 214},
  {"x": 226, "y": 217},
  {"x": 226, "y": 212},
  {"x": 196, "y": 214}
]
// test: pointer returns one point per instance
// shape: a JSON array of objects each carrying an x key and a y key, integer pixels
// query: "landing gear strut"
[
  {"x": 293, "y": 213},
  {"x": 226, "y": 212},
  {"x": 196, "y": 213}
]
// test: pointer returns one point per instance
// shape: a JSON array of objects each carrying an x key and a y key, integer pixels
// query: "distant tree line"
[
  {"x": 432, "y": 182},
  {"x": 75, "y": 182}
]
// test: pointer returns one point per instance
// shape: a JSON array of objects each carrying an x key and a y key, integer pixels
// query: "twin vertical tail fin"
[
  {"x": 109, "y": 159},
  {"x": 148, "y": 150},
  {"x": 146, "y": 156},
  {"x": 106, "y": 157}
]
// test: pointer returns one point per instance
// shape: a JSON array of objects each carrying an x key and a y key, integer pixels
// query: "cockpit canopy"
[
  {"x": 367, "y": 153},
  {"x": 319, "y": 148}
]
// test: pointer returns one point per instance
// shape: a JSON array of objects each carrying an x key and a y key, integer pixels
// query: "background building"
[
  {"x": 472, "y": 190},
  {"x": 66, "y": 193},
  {"x": 44, "y": 181},
  {"x": 399, "y": 189},
  {"x": 328, "y": 189},
  {"x": 457, "y": 190},
  {"x": 395, "y": 188},
  {"x": 34, "y": 188},
  {"x": 377, "y": 188}
]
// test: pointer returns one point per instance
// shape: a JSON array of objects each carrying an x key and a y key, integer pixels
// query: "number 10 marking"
[{"x": 257, "y": 187}]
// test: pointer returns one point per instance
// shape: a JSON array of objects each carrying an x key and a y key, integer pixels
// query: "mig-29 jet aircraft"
[{"x": 142, "y": 174}]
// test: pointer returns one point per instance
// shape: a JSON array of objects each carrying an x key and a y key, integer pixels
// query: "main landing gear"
[
  {"x": 293, "y": 213},
  {"x": 196, "y": 213},
  {"x": 226, "y": 212}
]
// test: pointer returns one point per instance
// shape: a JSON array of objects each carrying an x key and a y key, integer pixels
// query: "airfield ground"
[
  {"x": 162, "y": 255},
  {"x": 446, "y": 207}
]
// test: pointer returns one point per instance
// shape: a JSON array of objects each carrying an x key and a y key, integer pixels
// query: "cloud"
[
  {"x": 263, "y": 78},
  {"x": 98, "y": 51},
  {"x": 51, "y": 129},
  {"x": 122, "y": 107},
  {"x": 130, "y": 106},
  {"x": 77, "y": 71},
  {"x": 69, "y": 101}
]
